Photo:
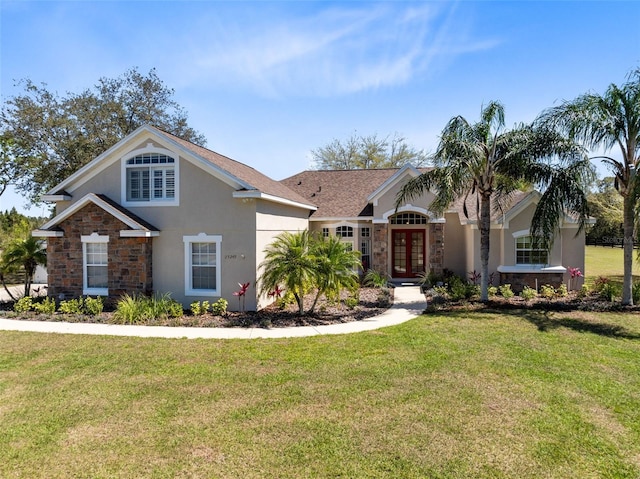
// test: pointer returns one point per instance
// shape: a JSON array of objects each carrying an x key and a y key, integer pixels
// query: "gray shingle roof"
[
  {"x": 338, "y": 193},
  {"x": 344, "y": 193}
]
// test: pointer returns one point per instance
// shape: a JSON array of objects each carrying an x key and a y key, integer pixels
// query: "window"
[
  {"x": 95, "y": 273},
  {"x": 202, "y": 264},
  {"x": 365, "y": 250},
  {"x": 325, "y": 232},
  {"x": 150, "y": 176},
  {"x": 408, "y": 219},
  {"x": 526, "y": 254},
  {"x": 365, "y": 232},
  {"x": 344, "y": 231}
]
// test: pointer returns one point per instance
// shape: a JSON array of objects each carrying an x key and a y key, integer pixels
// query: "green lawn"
[
  {"x": 457, "y": 395},
  {"x": 607, "y": 261}
]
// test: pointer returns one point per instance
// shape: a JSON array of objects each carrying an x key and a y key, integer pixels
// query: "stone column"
[
  {"x": 380, "y": 248},
  {"x": 436, "y": 248}
]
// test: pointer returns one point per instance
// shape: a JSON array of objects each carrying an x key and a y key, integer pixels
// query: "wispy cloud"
[{"x": 328, "y": 52}]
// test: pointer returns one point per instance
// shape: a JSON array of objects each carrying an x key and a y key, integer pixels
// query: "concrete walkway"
[{"x": 409, "y": 302}]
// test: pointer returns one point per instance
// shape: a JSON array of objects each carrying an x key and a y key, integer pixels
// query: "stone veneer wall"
[
  {"x": 129, "y": 263},
  {"x": 380, "y": 247},
  {"x": 519, "y": 280},
  {"x": 436, "y": 248}
]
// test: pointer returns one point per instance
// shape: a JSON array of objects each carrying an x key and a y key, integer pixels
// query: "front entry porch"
[{"x": 404, "y": 253}]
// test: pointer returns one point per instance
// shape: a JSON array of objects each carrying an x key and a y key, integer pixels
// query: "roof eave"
[{"x": 256, "y": 194}]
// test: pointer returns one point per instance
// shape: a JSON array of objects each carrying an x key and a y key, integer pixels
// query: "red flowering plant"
[
  {"x": 276, "y": 293},
  {"x": 241, "y": 293}
]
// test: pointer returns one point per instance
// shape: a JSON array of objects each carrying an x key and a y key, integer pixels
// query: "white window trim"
[
  {"x": 534, "y": 266},
  {"x": 150, "y": 148},
  {"x": 92, "y": 238},
  {"x": 201, "y": 238}
]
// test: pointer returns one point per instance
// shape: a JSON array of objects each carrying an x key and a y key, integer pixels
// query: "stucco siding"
[
  {"x": 573, "y": 254},
  {"x": 455, "y": 248},
  {"x": 386, "y": 203},
  {"x": 271, "y": 220}
]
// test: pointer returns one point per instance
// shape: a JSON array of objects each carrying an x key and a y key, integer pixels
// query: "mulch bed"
[
  {"x": 372, "y": 302},
  {"x": 571, "y": 302}
]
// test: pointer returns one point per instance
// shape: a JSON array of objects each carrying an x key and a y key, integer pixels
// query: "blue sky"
[{"x": 267, "y": 82}]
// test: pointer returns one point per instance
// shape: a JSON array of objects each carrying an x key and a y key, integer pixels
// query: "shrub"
[
  {"x": 161, "y": 306},
  {"x": 219, "y": 308},
  {"x": 199, "y": 307},
  {"x": 375, "y": 279},
  {"x": 528, "y": 293},
  {"x": 635, "y": 293},
  {"x": 132, "y": 310},
  {"x": 492, "y": 290},
  {"x": 505, "y": 291},
  {"x": 351, "y": 302},
  {"x": 23, "y": 305},
  {"x": 48, "y": 306},
  {"x": 93, "y": 306},
  {"x": 584, "y": 291},
  {"x": 562, "y": 291},
  {"x": 71, "y": 306},
  {"x": 441, "y": 291},
  {"x": 547, "y": 291},
  {"x": 600, "y": 283},
  {"x": 460, "y": 289},
  {"x": 384, "y": 297},
  {"x": 175, "y": 309},
  {"x": 610, "y": 291}
]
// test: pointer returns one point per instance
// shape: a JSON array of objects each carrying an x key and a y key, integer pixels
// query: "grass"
[
  {"x": 455, "y": 395},
  {"x": 607, "y": 261}
]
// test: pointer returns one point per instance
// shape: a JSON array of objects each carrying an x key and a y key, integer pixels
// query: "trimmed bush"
[
  {"x": 528, "y": 293},
  {"x": 505, "y": 291},
  {"x": 23, "y": 305},
  {"x": 219, "y": 308},
  {"x": 47, "y": 306}
]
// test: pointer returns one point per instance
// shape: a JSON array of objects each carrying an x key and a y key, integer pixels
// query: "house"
[
  {"x": 359, "y": 206},
  {"x": 155, "y": 213}
]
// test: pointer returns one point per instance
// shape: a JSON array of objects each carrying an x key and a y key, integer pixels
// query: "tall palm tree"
[
  {"x": 489, "y": 162},
  {"x": 289, "y": 262},
  {"x": 26, "y": 253},
  {"x": 604, "y": 122},
  {"x": 336, "y": 267}
]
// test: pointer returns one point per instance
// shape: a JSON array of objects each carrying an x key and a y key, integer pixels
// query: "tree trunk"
[
  {"x": 628, "y": 226},
  {"x": 6, "y": 288},
  {"x": 299, "y": 300},
  {"x": 484, "y": 224}
]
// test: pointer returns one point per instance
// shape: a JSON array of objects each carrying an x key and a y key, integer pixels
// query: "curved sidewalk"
[{"x": 409, "y": 302}]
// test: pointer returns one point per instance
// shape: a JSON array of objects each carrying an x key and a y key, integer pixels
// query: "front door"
[{"x": 408, "y": 253}]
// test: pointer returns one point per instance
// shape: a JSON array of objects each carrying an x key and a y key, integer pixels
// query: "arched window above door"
[{"x": 408, "y": 219}]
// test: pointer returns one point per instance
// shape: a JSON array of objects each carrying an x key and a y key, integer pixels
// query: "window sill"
[
  {"x": 95, "y": 292},
  {"x": 201, "y": 292},
  {"x": 531, "y": 268},
  {"x": 139, "y": 204}
]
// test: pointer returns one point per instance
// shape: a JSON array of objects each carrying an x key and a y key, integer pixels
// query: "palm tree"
[
  {"x": 289, "y": 262},
  {"x": 487, "y": 161},
  {"x": 604, "y": 122},
  {"x": 26, "y": 253},
  {"x": 336, "y": 267}
]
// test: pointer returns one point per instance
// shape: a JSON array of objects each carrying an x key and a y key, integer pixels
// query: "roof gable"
[
  {"x": 398, "y": 177},
  {"x": 237, "y": 175},
  {"x": 138, "y": 226}
]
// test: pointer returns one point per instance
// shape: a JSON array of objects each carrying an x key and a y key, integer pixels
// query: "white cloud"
[{"x": 327, "y": 52}]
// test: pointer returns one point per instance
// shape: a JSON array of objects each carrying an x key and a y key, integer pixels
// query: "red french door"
[{"x": 408, "y": 253}]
